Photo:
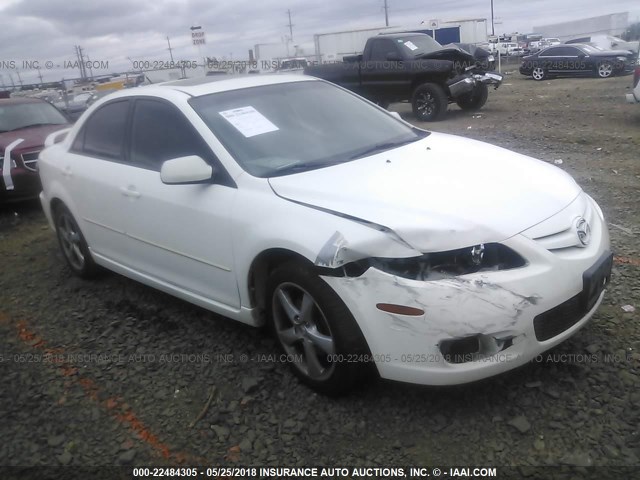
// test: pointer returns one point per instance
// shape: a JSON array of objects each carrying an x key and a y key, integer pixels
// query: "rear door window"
[{"x": 103, "y": 134}]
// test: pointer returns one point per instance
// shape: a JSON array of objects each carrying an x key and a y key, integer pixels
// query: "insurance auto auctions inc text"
[{"x": 377, "y": 472}]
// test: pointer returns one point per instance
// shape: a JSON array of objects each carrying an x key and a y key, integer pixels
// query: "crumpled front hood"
[{"x": 441, "y": 193}]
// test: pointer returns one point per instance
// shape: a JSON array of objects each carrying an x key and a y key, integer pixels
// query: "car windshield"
[
  {"x": 418, "y": 44},
  {"x": 23, "y": 115},
  {"x": 287, "y": 128}
]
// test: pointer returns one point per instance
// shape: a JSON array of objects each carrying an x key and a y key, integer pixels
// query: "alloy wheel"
[
  {"x": 605, "y": 70},
  {"x": 303, "y": 331},
  {"x": 71, "y": 240},
  {"x": 538, "y": 73},
  {"x": 426, "y": 103}
]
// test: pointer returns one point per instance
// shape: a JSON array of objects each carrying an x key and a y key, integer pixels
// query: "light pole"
[{"x": 493, "y": 30}]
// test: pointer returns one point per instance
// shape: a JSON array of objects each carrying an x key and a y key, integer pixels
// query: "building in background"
[
  {"x": 330, "y": 47},
  {"x": 613, "y": 24}
]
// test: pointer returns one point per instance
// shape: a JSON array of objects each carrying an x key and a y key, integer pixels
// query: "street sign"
[
  {"x": 198, "y": 38},
  {"x": 434, "y": 24}
]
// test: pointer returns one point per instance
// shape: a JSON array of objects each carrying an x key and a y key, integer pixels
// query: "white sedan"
[{"x": 366, "y": 243}]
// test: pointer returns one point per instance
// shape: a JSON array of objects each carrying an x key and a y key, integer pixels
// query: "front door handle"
[{"x": 130, "y": 191}]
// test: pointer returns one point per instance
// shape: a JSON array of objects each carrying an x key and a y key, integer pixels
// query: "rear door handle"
[{"x": 130, "y": 191}]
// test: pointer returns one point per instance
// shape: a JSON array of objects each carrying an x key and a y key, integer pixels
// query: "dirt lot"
[{"x": 156, "y": 358}]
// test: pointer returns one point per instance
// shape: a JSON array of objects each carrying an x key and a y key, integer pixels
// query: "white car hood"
[{"x": 441, "y": 193}]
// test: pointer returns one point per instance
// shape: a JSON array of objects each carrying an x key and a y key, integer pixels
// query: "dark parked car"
[
  {"x": 412, "y": 67},
  {"x": 25, "y": 123},
  {"x": 573, "y": 60}
]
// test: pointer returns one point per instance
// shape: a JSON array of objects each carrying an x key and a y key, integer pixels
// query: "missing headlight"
[
  {"x": 431, "y": 266},
  {"x": 437, "y": 265}
]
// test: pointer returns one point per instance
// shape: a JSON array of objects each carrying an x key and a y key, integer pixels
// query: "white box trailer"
[
  {"x": 269, "y": 51},
  {"x": 472, "y": 30},
  {"x": 331, "y": 47},
  {"x": 613, "y": 24}
]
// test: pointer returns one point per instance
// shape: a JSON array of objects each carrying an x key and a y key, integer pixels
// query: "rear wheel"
[
  {"x": 316, "y": 330},
  {"x": 539, "y": 73},
  {"x": 73, "y": 245},
  {"x": 429, "y": 102},
  {"x": 475, "y": 99}
]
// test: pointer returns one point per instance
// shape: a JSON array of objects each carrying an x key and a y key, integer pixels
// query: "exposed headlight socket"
[{"x": 477, "y": 254}]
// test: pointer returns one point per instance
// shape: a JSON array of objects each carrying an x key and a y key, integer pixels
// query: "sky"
[{"x": 119, "y": 32}]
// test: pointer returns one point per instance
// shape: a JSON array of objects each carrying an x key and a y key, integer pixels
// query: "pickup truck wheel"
[
  {"x": 429, "y": 102},
  {"x": 475, "y": 99}
]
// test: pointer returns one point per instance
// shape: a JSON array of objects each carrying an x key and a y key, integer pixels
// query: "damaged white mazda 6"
[{"x": 365, "y": 243}]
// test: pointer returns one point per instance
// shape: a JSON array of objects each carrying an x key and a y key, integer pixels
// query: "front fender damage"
[{"x": 338, "y": 251}]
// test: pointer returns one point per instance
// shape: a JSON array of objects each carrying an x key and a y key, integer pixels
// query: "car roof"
[
  {"x": 19, "y": 100},
  {"x": 403, "y": 34},
  {"x": 220, "y": 83}
]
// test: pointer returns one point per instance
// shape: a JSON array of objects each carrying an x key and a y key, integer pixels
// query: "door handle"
[
  {"x": 67, "y": 172},
  {"x": 130, "y": 191}
]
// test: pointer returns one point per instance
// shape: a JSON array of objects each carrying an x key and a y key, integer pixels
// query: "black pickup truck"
[{"x": 412, "y": 67}]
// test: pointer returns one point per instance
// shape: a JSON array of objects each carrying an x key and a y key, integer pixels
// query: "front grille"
[
  {"x": 555, "y": 321},
  {"x": 30, "y": 160}
]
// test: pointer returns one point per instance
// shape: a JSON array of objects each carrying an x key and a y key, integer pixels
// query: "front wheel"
[
  {"x": 539, "y": 73},
  {"x": 316, "y": 330},
  {"x": 475, "y": 99},
  {"x": 73, "y": 245},
  {"x": 605, "y": 70},
  {"x": 429, "y": 102}
]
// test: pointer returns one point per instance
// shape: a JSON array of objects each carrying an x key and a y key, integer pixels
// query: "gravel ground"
[{"x": 156, "y": 359}]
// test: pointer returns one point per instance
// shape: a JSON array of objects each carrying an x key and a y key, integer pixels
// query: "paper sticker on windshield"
[
  {"x": 249, "y": 121},
  {"x": 410, "y": 45}
]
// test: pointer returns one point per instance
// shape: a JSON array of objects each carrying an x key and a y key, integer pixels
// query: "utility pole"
[
  {"x": 2, "y": 79},
  {"x": 19, "y": 78},
  {"x": 493, "y": 30},
  {"x": 90, "y": 69},
  {"x": 170, "y": 49},
  {"x": 290, "y": 26},
  {"x": 40, "y": 75},
  {"x": 13, "y": 85},
  {"x": 79, "y": 57},
  {"x": 386, "y": 13}
]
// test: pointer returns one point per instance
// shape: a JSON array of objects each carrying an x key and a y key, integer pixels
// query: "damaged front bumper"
[
  {"x": 464, "y": 84},
  {"x": 464, "y": 328}
]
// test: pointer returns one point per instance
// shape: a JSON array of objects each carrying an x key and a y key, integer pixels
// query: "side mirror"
[
  {"x": 394, "y": 57},
  {"x": 396, "y": 115},
  {"x": 185, "y": 170},
  {"x": 614, "y": 44}
]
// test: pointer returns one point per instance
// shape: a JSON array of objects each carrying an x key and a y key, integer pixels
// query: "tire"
[
  {"x": 604, "y": 69},
  {"x": 474, "y": 100},
  {"x": 73, "y": 244},
  {"x": 429, "y": 102},
  {"x": 310, "y": 339},
  {"x": 539, "y": 73}
]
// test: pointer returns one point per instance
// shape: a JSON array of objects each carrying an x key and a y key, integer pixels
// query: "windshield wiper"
[
  {"x": 381, "y": 147},
  {"x": 302, "y": 167}
]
